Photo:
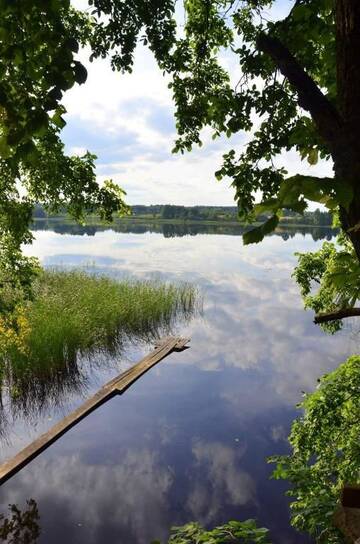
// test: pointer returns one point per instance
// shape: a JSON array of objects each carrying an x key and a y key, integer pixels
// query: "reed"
[{"x": 76, "y": 313}]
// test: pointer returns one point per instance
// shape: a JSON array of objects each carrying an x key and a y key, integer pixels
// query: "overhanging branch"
[
  {"x": 339, "y": 314},
  {"x": 311, "y": 98}
]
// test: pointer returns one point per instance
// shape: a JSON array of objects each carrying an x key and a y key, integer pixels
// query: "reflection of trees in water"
[
  {"x": 135, "y": 494},
  {"x": 172, "y": 230},
  {"x": 317, "y": 233},
  {"x": 21, "y": 526},
  {"x": 126, "y": 497}
]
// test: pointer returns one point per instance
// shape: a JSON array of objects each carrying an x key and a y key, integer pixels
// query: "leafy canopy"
[
  {"x": 262, "y": 103},
  {"x": 38, "y": 42},
  {"x": 285, "y": 98},
  {"x": 284, "y": 95}
]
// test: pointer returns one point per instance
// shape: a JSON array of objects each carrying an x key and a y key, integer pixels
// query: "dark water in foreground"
[{"x": 189, "y": 440}]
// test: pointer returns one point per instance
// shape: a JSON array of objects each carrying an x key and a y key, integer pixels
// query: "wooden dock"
[{"x": 114, "y": 387}]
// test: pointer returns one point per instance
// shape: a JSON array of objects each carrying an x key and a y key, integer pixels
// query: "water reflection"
[
  {"x": 30, "y": 398},
  {"x": 169, "y": 230},
  {"x": 137, "y": 479},
  {"x": 163, "y": 456},
  {"x": 217, "y": 480},
  {"x": 33, "y": 390},
  {"x": 190, "y": 438},
  {"x": 21, "y": 526}
]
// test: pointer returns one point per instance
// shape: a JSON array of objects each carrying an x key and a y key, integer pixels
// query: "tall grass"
[{"x": 75, "y": 313}]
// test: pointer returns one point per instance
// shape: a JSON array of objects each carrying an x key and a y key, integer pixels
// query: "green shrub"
[
  {"x": 233, "y": 532},
  {"x": 325, "y": 453}
]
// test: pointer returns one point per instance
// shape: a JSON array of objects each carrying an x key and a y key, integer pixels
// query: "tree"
[
  {"x": 38, "y": 41},
  {"x": 328, "y": 267},
  {"x": 325, "y": 452},
  {"x": 22, "y": 525},
  {"x": 299, "y": 89}
]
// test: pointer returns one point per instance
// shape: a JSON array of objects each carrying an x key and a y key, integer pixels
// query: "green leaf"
[
  {"x": 5, "y": 149},
  {"x": 313, "y": 156},
  {"x": 72, "y": 44},
  {"x": 57, "y": 118},
  {"x": 257, "y": 234},
  {"x": 270, "y": 205},
  {"x": 80, "y": 72}
]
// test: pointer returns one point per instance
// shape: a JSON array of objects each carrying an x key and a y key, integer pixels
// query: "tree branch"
[
  {"x": 339, "y": 314},
  {"x": 311, "y": 98}
]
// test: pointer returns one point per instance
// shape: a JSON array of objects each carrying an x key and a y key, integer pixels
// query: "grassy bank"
[{"x": 76, "y": 313}]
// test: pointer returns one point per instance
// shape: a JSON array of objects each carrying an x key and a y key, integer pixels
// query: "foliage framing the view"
[
  {"x": 294, "y": 93},
  {"x": 298, "y": 89},
  {"x": 325, "y": 452},
  {"x": 326, "y": 269},
  {"x": 38, "y": 42}
]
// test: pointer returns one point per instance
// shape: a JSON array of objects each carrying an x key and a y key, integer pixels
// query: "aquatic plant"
[{"x": 76, "y": 314}]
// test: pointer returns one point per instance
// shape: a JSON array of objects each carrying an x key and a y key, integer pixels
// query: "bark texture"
[
  {"x": 347, "y": 159},
  {"x": 338, "y": 126},
  {"x": 311, "y": 98}
]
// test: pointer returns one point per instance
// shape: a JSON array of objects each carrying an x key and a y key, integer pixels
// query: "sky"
[{"x": 127, "y": 120}]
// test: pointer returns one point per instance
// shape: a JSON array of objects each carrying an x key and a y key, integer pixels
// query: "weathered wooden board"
[
  {"x": 180, "y": 344},
  {"x": 114, "y": 387}
]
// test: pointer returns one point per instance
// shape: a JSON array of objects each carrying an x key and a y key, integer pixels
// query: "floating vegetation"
[{"x": 75, "y": 315}]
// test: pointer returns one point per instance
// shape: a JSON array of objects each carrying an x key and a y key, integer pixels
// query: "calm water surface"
[{"x": 189, "y": 440}]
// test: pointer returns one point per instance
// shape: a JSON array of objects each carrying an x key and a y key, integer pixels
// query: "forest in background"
[{"x": 218, "y": 214}]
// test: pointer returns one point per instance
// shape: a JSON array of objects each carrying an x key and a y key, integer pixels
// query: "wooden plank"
[
  {"x": 114, "y": 387},
  {"x": 180, "y": 345}
]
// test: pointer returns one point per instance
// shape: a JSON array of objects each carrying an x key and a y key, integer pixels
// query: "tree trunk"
[
  {"x": 347, "y": 156},
  {"x": 338, "y": 125}
]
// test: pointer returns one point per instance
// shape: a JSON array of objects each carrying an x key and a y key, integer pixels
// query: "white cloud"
[{"x": 127, "y": 120}]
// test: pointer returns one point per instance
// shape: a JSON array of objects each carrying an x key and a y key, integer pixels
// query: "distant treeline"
[
  {"x": 179, "y": 229},
  {"x": 207, "y": 213}
]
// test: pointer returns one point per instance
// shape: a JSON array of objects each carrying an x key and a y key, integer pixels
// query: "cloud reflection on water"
[
  {"x": 217, "y": 481},
  {"x": 253, "y": 314},
  {"x": 190, "y": 439},
  {"x": 80, "y": 495}
]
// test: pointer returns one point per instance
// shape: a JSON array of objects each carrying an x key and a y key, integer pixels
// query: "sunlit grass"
[{"x": 75, "y": 313}]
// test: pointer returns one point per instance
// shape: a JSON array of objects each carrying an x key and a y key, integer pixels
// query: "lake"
[{"x": 189, "y": 440}]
